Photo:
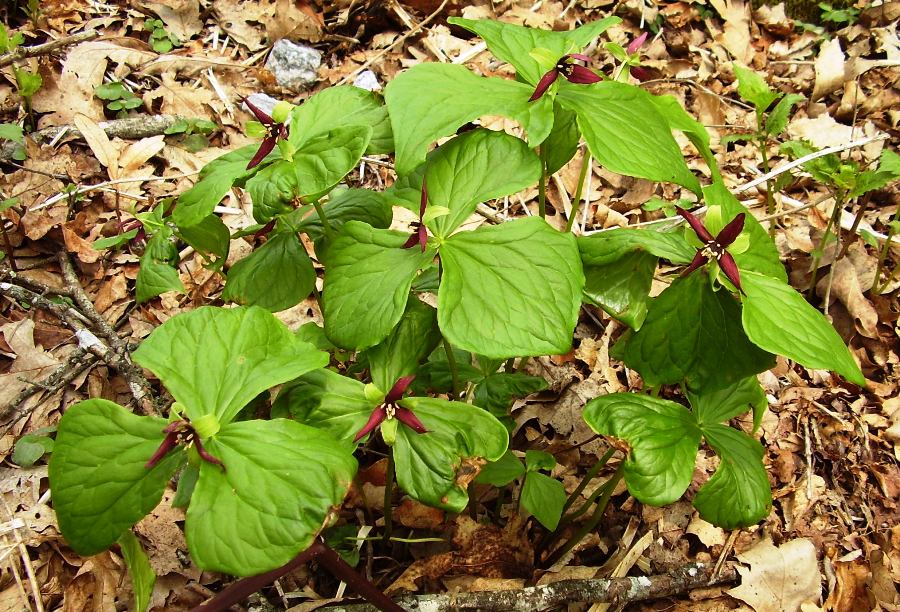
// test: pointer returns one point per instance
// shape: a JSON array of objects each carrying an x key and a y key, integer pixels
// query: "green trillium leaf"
[
  {"x": 501, "y": 472},
  {"x": 543, "y": 497},
  {"x": 778, "y": 319},
  {"x": 622, "y": 287},
  {"x": 607, "y": 247},
  {"x": 210, "y": 237},
  {"x": 340, "y": 106},
  {"x": 406, "y": 346},
  {"x": 100, "y": 485},
  {"x": 430, "y": 101},
  {"x": 216, "y": 180},
  {"x": 678, "y": 119},
  {"x": 275, "y": 276},
  {"x": 713, "y": 407},
  {"x": 214, "y": 361},
  {"x": 514, "y": 44},
  {"x": 436, "y": 467},
  {"x": 157, "y": 273},
  {"x": 626, "y": 133},
  {"x": 510, "y": 290},
  {"x": 463, "y": 173},
  {"x": 562, "y": 143},
  {"x": 495, "y": 392},
  {"x": 753, "y": 88},
  {"x": 367, "y": 281},
  {"x": 344, "y": 205},
  {"x": 142, "y": 575},
  {"x": 689, "y": 327},
  {"x": 738, "y": 494},
  {"x": 280, "y": 484},
  {"x": 326, "y": 400},
  {"x": 663, "y": 438}
]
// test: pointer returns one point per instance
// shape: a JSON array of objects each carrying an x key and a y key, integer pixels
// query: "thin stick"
[
  {"x": 390, "y": 47},
  {"x": 47, "y": 47},
  {"x": 88, "y": 188}
]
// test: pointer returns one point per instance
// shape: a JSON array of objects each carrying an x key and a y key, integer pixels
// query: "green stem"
[
  {"x": 595, "y": 469},
  {"x": 576, "y": 203},
  {"x": 770, "y": 197},
  {"x": 388, "y": 498},
  {"x": 326, "y": 225},
  {"x": 835, "y": 214},
  {"x": 592, "y": 523},
  {"x": 882, "y": 256},
  {"x": 542, "y": 186},
  {"x": 454, "y": 372},
  {"x": 522, "y": 363}
]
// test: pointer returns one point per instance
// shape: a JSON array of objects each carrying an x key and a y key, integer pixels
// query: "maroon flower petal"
[
  {"x": 168, "y": 443},
  {"x": 375, "y": 419},
  {"x": 411, "y": 241},
  {"x": 579, "y": 56},
  {"x": 699, "y": 260},
  {"x": 264, "y": 149},
  {"x": 204, "y": 454},
  {"x": 730, "y": 232},
  {"x": 582, "y": 75},
  {"x": 696, "y": 225},
  {"x": 398, "y": 389},
  {"x": 641, "y": 74},
  {"x": 635, "y": 44},
  {"x": 422, "y": 237},
  {"x": 544, "y": 84},
  {"x": 729, "y": 267},
  {"x": 423, "y": 201},
  {"x": 408, "y": 418},
  {"x": 260, "y": 115}
]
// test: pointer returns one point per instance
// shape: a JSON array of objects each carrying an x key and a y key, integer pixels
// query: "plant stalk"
[
  {"x": 882, "y": 256},
  {"x": 454, "y": 371},
  {"x": 576, "y": 202},
  {"x": 835, "y": 215},
  {"x": 542, "y": 186},
  {"x": 326, "y": 224},
  {"x": 388, "y": 499}
]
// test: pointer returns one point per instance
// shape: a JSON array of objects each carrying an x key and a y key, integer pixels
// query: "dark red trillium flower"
[
  {"x": 641, "y": 74},
  {"x": 274, "y": 132},
  {"x": 716, "y": 247},
  {"x": 389, "y": 410},
  {"x": 180, "y": 433},
  {"x": 566, "y": 66},
  {"x": 420, "y": 235}
]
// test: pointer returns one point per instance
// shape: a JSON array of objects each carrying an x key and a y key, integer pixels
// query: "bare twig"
[{"x": 46, "y": 48}]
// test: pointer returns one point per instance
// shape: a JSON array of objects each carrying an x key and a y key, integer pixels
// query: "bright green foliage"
[
  {"x": 779, "y": 320},
  {"x": 158, "y": 273},
  {"x": 31, "y": 447},
  {"x": 725, "y": 404},
  {"x": 753, "y": 88},
  {"x": 216, "y": 179},
  {"x": 341, "y": 106},
  {"x": 495, "y": 391},
  {"x": 275, "y": 276},
  {"x": 27, "y": 83},
  {"x": 415, "y": 336},
  {"x": 664, "y": 438},
  {"x": 326, "y": 400},
  {"x": 343, "y": 205},
  {"x": 510, "y": 290},
  {"x": 501, "y": 472},
  {"x": 9, "y": 43},
  {"x": 542, "y": 496},
  {"x": 430, "y": 101},
  {"x": 562, "y": 143},
  {"x": 161, "y": 41},
  {"x": 142, "y": 575},
  {"x": 210, "y": 238},
  {"x": 119, "y": 98}
]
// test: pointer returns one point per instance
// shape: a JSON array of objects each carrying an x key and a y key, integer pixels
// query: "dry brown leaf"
[
  {"x": 32, "y": 362},
  {"x": 736, "y": 36},
  {"x": 779, "y": 579},
  {"x": 83, "y": 249},
  {"x": 850, "y": 591},
  {"x": 104, "y": 150},
  {"x": 139, "y": 153},
  {"x": 415, "y": 515},
  {"x": 240, "y": 19},
  {"x": 829, "y": 69},
  {"x": 706, "y": 532},
  {"x": 181, "y": 17},
  {"x": 846, "y": 287}
]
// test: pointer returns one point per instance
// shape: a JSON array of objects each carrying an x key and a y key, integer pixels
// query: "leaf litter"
[{"x": 832, "y": 538}]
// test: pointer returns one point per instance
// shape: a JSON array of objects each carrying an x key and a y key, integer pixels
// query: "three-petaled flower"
[
  {"x": 389, "y": 409},
  {"x": 181, "y": 433},
  {"x": 420, "y": 234},
  {"x": 715, "y": 246},
  {"x": 567, "y": 67},
  {"x": 636, "y": 70},
  {"x": 275, "y": 131}
]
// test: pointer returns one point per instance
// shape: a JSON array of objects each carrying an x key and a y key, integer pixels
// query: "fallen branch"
[
  {"x": 46, "y": 48},
  {"x": 130, "y": 128},
  {"x": 615, "y": 591}
]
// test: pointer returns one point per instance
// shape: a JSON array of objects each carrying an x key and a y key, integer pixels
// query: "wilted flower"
[
  {"x": 567, "y": 67},
  {"x": 715, "y": 247}
]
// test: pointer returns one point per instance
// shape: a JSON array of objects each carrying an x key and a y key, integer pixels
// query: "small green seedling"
[
  {"x": 161, "y": 40},
  {"x": 119, "y": 98},
  {"x": 193, "y": 133}
]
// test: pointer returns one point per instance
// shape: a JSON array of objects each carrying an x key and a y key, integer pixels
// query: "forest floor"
[{"x": 831, "y": 448}]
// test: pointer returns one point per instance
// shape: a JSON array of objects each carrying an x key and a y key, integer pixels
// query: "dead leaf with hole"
[
  {"x": 779, "y": 579},
  {"x": 829, "y": 69}
]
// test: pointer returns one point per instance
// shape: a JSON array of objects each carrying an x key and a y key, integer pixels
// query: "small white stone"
[
  {"x": 86, "y": 339},
  {"x": 293, "y": 65},
  {"x": 367, "y": 80},
  {"x": 263, "y": 102}
]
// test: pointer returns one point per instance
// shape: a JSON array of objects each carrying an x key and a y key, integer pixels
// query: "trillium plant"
[{"x": 416, "y": 358}]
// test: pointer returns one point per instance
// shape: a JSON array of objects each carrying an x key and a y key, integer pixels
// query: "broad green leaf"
[
  {"x": 626, "y": 133},
  {"x": 314, "y": 170},
  {"x": 367, "y": 281},
  {"x": 209, "y": 236},
  {"x": 753, "y": 88},
  {"x": 738, "y": 494},
  {"x": 435, "y": 377},
  {"x": 27, "y": 83},
  {"x": 713, "y": 407},
  {"x": 544, "y": 497},
  {"x": 142, "y": 575},
  {"x": 678, "y": 119},
  {"x": 97, "y": 475},
  {"x": 688, "y": 330},
  {"x": 364, "y": 205},
  {"x": 431, "y": 100},
  {"x": 12, "y": 131},
  {"x": 622, "y": 288},
  {"x": 762, "y": 255},
  {"x": 778, "y": 319},
  {"x": 157, "y": 273},
  {"x": 888, "y": 171},
  {"x": 275, "y": 276},
  {"x": 501, "y": 472},
  {"x": 510, "y": 290},
  {"x": 326, "y": 400},
  {"x": 215, "y": 360},
  {"x": 495, "y": 392},
  {"x": 539, "y": 460},
  {"x": 30, "y": 448},
  {"x": 280, "y": 484},
  {"x": 341, "y": 106},
  {"x": 514, "y": 44},
  {"x": 778, "y": 118},
  {"x": 663, "y": 438},
  {"x": 608, "y": 247},
  {"x": 562, "y": 143},
  {"x": 415, "y": 336},
  {"x": 436, "y": 467},
  {"x": 216, "y": 179},
  {"x": 477, "y": 166}
]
